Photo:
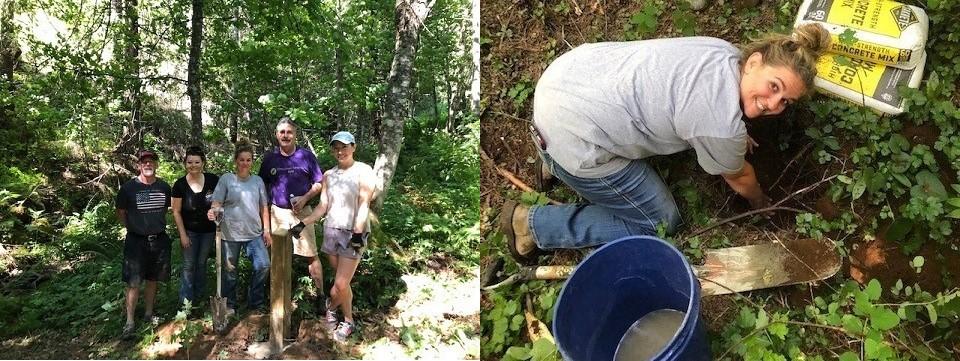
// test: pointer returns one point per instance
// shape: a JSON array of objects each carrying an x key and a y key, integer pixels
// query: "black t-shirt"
[
  {"x": 194, "y": 206},
  {"x": 146, "y": 205}
]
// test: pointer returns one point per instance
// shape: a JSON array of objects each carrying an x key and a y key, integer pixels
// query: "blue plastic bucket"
[{"x": 618, "y": 284}]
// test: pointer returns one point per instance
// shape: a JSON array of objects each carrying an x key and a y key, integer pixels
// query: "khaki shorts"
[
  {"x": 306, "y": 244},
  {"x": 336, "y": 242}
]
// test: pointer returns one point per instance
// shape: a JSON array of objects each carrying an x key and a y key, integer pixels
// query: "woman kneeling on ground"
[
  {"x": 345, "y": 199},
  {"x": 601, "y": 109}
]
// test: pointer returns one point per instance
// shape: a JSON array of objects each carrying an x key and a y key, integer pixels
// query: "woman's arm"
[
  {"x": 363, "y": 204},
  {"x": 745, "y": 183},
  {"x": 267, "y": 230},
  {"x": 321, "y": 208},
  {"x": 175, "y": 203}
]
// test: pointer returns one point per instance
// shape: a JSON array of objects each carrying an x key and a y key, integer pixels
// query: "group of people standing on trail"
[{"x": 248, "y": 208}]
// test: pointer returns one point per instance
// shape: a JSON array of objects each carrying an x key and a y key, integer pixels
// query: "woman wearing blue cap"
[{"x": 345, "y": 200}]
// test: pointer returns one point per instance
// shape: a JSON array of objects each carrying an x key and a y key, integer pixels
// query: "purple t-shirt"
[{"x": 286, "y": 175}]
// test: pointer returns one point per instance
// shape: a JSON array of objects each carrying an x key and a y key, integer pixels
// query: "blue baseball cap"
[{"x": 343, "y": 137}]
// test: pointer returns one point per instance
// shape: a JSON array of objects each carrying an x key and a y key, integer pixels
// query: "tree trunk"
[
  {"x": 436, "y": 104},
  {"x": 130, "y": 84},
  {"x": 410, "y": 15},
  {"x": 9, "y": 58},
  {"x": 193, "y": 71},
  {"x": 475, "y": 50}
]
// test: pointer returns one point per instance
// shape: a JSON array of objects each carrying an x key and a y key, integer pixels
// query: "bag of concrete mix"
[
  {"x": 887, "y": 32},
  {"x": 868, "y": 83}
]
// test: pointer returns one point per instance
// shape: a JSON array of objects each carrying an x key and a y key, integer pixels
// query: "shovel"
[
  {"x": 218, "y": 303},
  {"x": 734, "y": 269}
]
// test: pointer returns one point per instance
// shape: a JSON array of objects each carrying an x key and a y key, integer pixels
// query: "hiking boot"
[
  {"x": 129, "y": 331},
  {"x": 344, "y": 330},
  {"x": 515, "y": 225}
]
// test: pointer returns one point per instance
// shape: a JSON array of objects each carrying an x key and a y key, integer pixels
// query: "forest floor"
[
  {"x": 521, "y": 39},
  {"x": 437, "y": 318}
]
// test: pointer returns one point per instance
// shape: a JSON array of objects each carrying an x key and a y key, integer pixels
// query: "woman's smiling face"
[{"x": 768, "y": 90}]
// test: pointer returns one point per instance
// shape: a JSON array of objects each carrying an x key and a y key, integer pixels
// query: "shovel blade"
[
  {"x": 220, "y": 316},
  {"x": 747, "y": 268}
]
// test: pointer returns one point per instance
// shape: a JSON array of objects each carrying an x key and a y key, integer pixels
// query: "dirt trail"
[{"x": 437, "y": 318}]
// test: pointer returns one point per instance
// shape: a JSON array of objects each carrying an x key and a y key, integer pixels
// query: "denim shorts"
[{"x": 336, "y": 242}]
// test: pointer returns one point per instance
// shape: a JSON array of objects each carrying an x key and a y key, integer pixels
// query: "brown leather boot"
[{"x": 515, "y": 225}]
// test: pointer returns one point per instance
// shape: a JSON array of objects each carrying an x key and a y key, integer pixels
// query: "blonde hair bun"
[{"x": 813, "y": 37}]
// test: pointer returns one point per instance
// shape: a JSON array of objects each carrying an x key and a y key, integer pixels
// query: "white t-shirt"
[
  {"x": 602, "y": 105},
  {"x": 343, "y": 193}
]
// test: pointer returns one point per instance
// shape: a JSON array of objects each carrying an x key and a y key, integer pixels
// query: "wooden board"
[{"x": 281, "y": 257}]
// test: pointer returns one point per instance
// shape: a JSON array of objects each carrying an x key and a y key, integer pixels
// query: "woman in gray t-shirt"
[
  {"x": 242, "y": 199},
  {"x": 602, "y": 108}
]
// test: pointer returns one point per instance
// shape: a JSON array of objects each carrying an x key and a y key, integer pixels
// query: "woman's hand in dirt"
[{"x": 761, "y": 202}]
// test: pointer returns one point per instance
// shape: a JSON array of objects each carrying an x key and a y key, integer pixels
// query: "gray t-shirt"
[
  {"x": 602, "y": 105},
  {"x": 241, "y": 201}
]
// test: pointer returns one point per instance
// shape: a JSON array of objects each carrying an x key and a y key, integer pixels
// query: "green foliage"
[
  {"x": 684, "y": 21},
  {"x": 503, "y": 323},
  {"x": 55, "y": 305},
  {"x": 520, "y": 92},
  {"x": 644, "y": 22},
  {"x": 433, "y": 207},
  {"x": 377, "y": 285}
]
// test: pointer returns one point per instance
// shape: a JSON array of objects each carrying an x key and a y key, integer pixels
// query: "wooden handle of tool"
[
  {"x": 219, "y": 261},
  {"x": 547, "y": 272}
]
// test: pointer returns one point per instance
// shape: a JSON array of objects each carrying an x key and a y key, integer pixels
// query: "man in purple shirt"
[{"x": 293, "y": 177}]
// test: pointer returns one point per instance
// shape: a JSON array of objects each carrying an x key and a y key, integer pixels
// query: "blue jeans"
[
  {"x": 194, "y": 276},
  {"x": 632, "y": 201},
  {"x": 257, "y": 253}
]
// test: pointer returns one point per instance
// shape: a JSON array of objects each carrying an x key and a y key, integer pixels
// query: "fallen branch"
[
  {"x": 742, "y": 215},
  {"x": 774, "y": 207},
  {"x": 794, "y": 159},
  {"x": 512, "y": 178}
]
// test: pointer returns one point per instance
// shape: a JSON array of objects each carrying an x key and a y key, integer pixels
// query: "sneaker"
[
  {"x": 129, "y": 330},
  {"x": 344, "y": 330},
  {"x": 150, "y": 318},
  {"x": 331, "y": 317}
]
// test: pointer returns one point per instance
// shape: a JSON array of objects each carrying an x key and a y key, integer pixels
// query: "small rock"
[{"x": 697, "y": 5}]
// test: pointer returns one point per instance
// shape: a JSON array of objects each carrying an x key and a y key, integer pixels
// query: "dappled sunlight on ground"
[{"x": 438, "y": 318}]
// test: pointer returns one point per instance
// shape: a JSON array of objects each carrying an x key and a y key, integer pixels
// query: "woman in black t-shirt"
[{"x": 191, "y": 198}]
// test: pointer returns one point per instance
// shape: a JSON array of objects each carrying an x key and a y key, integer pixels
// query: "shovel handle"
[
  {"x": 547, "y": 272},
  {"x": 219, "y": 261}
]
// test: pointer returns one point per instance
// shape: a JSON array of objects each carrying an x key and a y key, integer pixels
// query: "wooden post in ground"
[{"x": 281, "y": 257}]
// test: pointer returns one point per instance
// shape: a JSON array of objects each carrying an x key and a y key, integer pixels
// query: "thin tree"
[
  {"x": 193, "y": 70},
  {"x": 130, "y": 82},
  {"x": 409, "y": 16},
  {"x": 9, "y": 58}
]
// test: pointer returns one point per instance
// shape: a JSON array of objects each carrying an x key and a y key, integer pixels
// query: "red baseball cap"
[{"x": 144, "y": 154}]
